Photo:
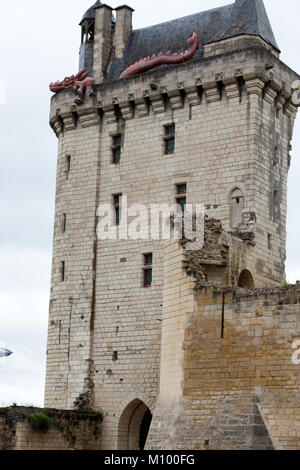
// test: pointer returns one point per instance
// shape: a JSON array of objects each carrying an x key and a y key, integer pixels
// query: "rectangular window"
[
  {"x": 169, "y": 139},
  {"x": 117, "y": 202},
  {"x": 116, "y": 148},
  {"x": 181, "y": 190},
  {"x": 147, "y": 269}
]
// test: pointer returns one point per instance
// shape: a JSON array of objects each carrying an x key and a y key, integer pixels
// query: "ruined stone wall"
[
  {"x": 102, "y": 308},
  {"x": 239, "y": 387},
  {"x": 80, "y": 431},
  {"x": 252, "y": 359}
]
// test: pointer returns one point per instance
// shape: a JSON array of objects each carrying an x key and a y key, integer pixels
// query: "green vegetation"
[{"x": 41, "y": 422}]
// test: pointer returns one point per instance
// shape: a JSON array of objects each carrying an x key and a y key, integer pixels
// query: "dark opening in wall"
[
  {"x": 221, "y": 88},
  {"x": 241, "y": 84},
  {"x": 269, "y": 241},
  {"x": 115, "y": 356},
  {"x": 144, "y": 429},
  {"x": 169, "y": 139},
  {"x": 68, "y": 165},
  {"x": 64, "y": 223},
  {"x": 62, "y": 271},
  {"x": 117, "y": 202},
  {"x": 147, "y": 270},
  {"x": 181, "y": 193},
  {"x": 246, "y": 280},
  {"x": 116, "y": 149}
]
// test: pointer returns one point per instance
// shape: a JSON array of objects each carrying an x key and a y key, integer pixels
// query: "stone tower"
[{"x": 214, "y": 130}]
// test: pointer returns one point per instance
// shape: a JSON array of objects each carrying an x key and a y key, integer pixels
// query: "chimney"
[
  {"x": 123, "y": 29},
  {"x": 103, "y": 40}
]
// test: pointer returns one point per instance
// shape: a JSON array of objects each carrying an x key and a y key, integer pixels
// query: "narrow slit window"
[
  {"x": 117, "y": 202},
  {"x": 64, "y": 223},
  {"x": 62, "y": 271},
  {"x": 116, "y": 148},
  {"x": 147, "y": 269},
  {"x": 68, "y": 165},
  {"x": 276, "y": 204},
  {"x": 169, "y": 139},
  {"x": 269, "y": 241}
]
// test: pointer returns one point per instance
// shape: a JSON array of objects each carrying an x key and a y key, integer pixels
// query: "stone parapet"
[{"x": 210, "y": 74}]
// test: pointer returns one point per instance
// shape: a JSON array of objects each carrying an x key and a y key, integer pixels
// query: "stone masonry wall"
[
  {"x": 81, "y": 431},
  {"x": 71, "y": 313}
]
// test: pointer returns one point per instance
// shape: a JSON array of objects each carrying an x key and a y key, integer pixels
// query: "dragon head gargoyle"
[{"x": 80, "y": 84}]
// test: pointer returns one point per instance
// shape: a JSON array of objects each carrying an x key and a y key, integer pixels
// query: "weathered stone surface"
[{"x": 74, "y": 430}]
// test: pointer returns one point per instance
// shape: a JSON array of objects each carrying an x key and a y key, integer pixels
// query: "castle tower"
[{"x": 214, "y": 130}]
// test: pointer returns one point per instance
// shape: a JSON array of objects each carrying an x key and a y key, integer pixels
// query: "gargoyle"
[
  {"x": 163, "y": 59},
  {"x": 80, "y": 83}
]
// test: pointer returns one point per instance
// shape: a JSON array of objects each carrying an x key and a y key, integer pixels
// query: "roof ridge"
[{"x": 230, "y": 5}]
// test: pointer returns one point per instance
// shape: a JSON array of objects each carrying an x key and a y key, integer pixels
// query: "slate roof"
[
  {"x": 240, "y": 18},
  {"x": 90, "y": 14}
]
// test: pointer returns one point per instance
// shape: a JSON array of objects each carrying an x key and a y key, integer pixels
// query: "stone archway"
[
  {"x": 134, "y": 426},
  {"x": 246, "y": 280}
]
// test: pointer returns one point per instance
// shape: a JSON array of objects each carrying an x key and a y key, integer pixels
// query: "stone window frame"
[
  {"x": 68, "y": 162},
  {"x": 117, "y": 204},
  {"x": 169, "y": 137},
  {"x": 116, "y": 146},
  {"x": 62, "y": 271},
  {"x": 64, "y": 222},
  {"x": 180, "y": 196},
  {"x": 234, "y": 188},
  {"x": 147, "y": 266},
  {"x": 270, "y": 242}
]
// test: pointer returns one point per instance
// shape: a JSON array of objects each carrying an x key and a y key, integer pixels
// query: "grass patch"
[{"x": 41, "y": 422}]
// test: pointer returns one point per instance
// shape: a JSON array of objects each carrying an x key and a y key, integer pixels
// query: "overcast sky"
[{"x": 39, "y": 43}]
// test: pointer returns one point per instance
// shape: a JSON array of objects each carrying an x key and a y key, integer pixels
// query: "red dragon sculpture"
[
  {"x": 80, "y": 83},
  {"x": 163, "y": 59}
]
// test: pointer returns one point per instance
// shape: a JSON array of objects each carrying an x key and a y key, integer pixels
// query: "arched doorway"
[
  {"x": 134, "y": 426},
  {"x": 246, "y": 280}
]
